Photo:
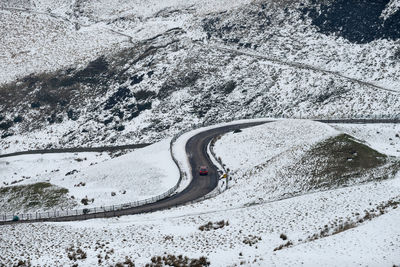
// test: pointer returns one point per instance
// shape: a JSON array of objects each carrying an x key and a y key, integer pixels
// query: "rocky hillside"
[{"x": 132, "y": 71}]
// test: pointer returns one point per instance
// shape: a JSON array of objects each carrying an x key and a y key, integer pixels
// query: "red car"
[{"x": 203, "y": 170}]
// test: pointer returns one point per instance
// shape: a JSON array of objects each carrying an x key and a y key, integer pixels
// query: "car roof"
[{"x": 203, "y": 167}]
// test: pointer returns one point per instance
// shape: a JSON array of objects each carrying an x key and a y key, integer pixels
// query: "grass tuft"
[{"x": 33, "y": 197}]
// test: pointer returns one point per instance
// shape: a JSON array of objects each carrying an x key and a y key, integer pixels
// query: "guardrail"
[
  {"x": 84, "y": 211},
  {"x": 95, "y": 210}
]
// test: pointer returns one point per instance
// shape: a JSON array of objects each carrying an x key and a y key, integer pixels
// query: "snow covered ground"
[
  {"x": 42, "y": 36},
  {"x": 35, "y": 43},
  {"x": 137, "y": 175},
  {"x": 330, "y": 228}
]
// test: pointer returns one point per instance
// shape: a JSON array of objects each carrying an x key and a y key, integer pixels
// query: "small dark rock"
[
  {"x": 143, "y": 106},
  {"x": 133, "y": 114},
  {"x": 229, "y": 87},
  {"x": 71, "y": 172},
  {"x": 120, "y": 128},
  {"x": 283, "y": 236},
  {"x": 121, "y": 94},
  {"x": 35, "y": 105},
  {"x": 72, "y": 115},
  {"x": 396, "y": 54},
  {"x": 5, "y": 135},
  {"x": 144, "y": 95},
  {"x": 136, "y": 79},
  {"x": 18, "y": 119},
  {"x": 59, "y": 119},
  {"x": 108, "y": 121},
  {"x": 119, "y": 113},
  {"x": 6, "y": 125},
  {"x": 52, "y": 119}
]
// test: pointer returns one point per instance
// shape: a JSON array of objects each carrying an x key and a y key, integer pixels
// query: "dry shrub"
[
  {"x": 213, "y": 226},
  {"x": 178, "y": 261},
  {"x": 251, "y": 240},
  {"x": 75, "y": 254},
  {"x": 286, "y": 245}
]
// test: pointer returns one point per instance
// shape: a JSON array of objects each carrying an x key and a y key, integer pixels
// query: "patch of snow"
[{"x": 391, "y": 8}]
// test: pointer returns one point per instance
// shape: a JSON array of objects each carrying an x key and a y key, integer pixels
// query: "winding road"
[{"x": 196, "y": 149}]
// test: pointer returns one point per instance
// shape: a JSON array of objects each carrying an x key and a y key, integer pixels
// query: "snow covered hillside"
[
  {"x": 294, "y": 157},
  {"x": 117, "y": 72},
  {"x": 245, "y": 225},
  {"x": 90, "y": 179}
]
